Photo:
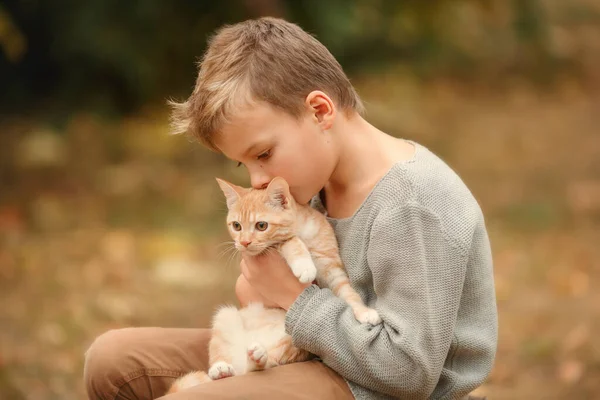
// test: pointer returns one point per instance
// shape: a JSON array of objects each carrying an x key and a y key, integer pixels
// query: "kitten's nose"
[{"x": 245, "y": 243}]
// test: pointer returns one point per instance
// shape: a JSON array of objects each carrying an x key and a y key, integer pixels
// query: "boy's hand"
[
  {"x": 270, "y": 275},
  {"x": 246, "y": 294}
]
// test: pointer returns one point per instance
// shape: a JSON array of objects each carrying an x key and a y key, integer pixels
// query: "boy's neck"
[{"x": 365, "y": 154}]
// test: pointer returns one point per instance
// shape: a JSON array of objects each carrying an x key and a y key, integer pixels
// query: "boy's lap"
[
  {"x": 299, "y": 381},
  {"x": 144, "y": 360},
  {"x": 166, "y": 353}
]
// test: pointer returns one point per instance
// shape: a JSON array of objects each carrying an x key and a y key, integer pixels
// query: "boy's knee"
[{"x": 103, "y": 360}]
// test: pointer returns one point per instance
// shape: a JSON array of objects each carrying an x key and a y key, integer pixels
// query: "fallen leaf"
[{"x": 570, "y": 371}]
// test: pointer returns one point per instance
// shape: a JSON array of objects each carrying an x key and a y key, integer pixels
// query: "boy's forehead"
[
  {"x": 247, "y": 129},
  {"x": 238, "y": 141},
  {"x": 254, "y": 116}
]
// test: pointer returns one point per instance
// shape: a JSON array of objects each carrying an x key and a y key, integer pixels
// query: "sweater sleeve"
[{"x": 418, "y": 270}]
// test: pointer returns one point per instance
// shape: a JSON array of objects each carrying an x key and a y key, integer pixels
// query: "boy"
[{"x": 411, "y": 235}]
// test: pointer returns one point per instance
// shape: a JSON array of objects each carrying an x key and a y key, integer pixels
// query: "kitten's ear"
[
  {"x": 279, "y": 192},
  {"x": 232, "y": 192}
]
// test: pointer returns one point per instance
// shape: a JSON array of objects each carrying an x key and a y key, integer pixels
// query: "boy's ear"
[
  {"x": 232, "y": 192},
  {"x": 279, "y": 193},
  {"x": 322, "y": 108}
]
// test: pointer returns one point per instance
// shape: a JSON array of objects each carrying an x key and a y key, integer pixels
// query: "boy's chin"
[{"x": 302, "y": 198}]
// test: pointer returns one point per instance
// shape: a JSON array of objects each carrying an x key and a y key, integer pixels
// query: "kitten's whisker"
[
  {"x": 231, "y": 244},
  {"x": 226, "y": 252},
  {"x": 231, "y": 258},
  {"x": 222, "y": 247},
  {"x": 270, "y": 250}
]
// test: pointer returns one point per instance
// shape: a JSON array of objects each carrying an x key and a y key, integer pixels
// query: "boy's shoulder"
[{"x": 426, "y": 182}]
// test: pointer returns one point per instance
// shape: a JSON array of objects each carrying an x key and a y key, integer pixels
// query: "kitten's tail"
[{"x": 189, "y": 380}]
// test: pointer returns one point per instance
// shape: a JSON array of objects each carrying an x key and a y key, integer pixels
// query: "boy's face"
[{"x": 270, "y": 142}]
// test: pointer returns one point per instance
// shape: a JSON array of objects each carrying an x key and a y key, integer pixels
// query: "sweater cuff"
[{"x": 295, "y": 311}]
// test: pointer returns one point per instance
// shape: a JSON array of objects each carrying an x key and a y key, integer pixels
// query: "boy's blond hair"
[{"x": 266, "y": 59}]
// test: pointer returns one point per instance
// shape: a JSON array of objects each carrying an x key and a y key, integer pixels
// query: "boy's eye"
[
  {"x": 264, "y": 155},
  {"x": 261, "y": 225},
  {"x": 236, "y": 226}
]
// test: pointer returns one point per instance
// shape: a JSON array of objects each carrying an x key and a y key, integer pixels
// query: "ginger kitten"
[{"x": 254, "y": 338}]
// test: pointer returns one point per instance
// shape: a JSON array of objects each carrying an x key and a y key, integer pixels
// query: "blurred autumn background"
[{"x": 107, "y": 221}]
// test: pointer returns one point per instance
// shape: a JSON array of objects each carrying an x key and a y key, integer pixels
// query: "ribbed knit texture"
[{"x": 416, "y": 250}]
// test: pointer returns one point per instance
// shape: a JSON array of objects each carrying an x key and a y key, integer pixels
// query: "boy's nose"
[{"x": 259, "y": 181}]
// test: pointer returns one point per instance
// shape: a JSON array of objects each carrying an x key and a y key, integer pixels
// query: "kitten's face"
[{"x": 259, "y": 219}]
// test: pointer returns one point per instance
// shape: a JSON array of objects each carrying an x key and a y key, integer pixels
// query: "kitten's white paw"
[
  {"x": 258, "y": 354},
  {"x": 368, "y": 316},
  {"x": 308, "y": 276},
  {"x": 304, "y": 270},
  {"x": 220, "y": 370}
]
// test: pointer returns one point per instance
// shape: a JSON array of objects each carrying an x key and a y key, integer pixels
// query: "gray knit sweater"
[{"x": 416, "y": 250}]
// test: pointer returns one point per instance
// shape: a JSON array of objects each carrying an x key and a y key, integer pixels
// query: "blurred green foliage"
[{"x": 113, "y": 56}]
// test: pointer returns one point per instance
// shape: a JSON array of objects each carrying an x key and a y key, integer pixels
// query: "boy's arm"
[{"x": 418, "y": 275}]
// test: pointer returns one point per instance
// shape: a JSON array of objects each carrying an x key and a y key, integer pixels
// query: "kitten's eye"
[
  {"x": 261, "y": 225},
  {"x": 236, "y": 226}
]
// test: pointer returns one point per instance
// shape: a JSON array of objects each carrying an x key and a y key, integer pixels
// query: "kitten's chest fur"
[{"x": 314, "y": 230}]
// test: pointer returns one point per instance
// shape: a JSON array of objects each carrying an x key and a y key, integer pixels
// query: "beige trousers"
[{"x": 142, "y": 363}]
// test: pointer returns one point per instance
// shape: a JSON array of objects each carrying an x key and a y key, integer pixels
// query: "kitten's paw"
[
  {"x": 368, "y": 316},
  {"x": 220, "y": 370},
  {"x": 258, "y": 354},
  {"x": 304, "y": 270},
  {"x": 308, "y": 276}
]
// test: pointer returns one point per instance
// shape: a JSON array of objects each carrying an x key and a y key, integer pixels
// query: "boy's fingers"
[{"x": 245, "y": 270}]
